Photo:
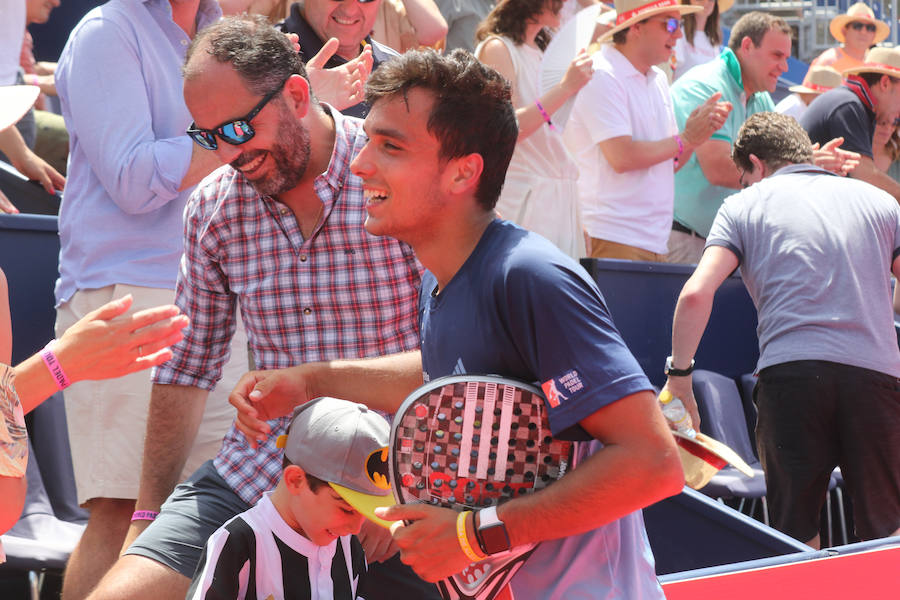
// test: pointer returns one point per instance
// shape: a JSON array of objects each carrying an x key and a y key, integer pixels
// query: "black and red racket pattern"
[{"x": 466, "y": 442}]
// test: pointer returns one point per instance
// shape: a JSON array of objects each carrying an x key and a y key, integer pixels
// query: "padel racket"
[{"x": 467, "y": 442}]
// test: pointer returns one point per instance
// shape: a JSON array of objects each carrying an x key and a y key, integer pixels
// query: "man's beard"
[{"x": 289, "y": 153}]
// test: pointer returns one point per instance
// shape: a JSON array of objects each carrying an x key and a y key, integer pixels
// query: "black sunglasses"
[
  {"x": 234, "y": 132},
  {"x": 856, "y": 26}
]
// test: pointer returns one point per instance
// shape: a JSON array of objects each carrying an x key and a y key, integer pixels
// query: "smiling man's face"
[{"x": 350, "y": 21}]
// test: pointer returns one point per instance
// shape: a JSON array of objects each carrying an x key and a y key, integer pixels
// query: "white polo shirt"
[
  {"x": 633, "y": 208},
  {"x": 12, "y": 32}
]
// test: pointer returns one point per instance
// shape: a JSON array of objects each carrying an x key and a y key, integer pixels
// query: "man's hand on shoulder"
[{"x": 261, "y": 396}]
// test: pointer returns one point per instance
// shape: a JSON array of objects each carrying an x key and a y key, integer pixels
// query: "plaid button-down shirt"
[{"x": 342, "y": 293}]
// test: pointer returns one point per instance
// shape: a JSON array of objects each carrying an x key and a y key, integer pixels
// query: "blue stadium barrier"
[
  {"x": 691, "y": 531},
  {"x": 29, "y": 255},
  {"x": 641, "y": 297}
]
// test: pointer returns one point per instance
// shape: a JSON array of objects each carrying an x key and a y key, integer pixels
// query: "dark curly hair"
[
  {"x": 775, "y": 139},
  {"x": 509, "y": 18},
  {"x": 472, "y": 111}
]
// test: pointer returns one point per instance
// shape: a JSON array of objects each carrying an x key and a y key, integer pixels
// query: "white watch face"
[
  {"x": 672, "y": 367},
  {"x": 488, "y": 516}
]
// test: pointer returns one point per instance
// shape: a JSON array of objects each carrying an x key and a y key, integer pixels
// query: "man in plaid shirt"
[{"x": 278, "y": 231}]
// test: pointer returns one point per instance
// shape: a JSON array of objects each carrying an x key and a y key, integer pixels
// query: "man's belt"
[{"x": 676, "y": 226}]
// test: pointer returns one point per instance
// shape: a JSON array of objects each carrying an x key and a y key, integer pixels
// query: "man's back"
[
  {"x": 816, "y": 253},
  {"x": 839, "y": 113}
]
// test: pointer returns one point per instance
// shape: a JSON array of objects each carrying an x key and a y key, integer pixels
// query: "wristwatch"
[
  {"x": 671, "y": 371},
  {"x": 491, "y": 532}
]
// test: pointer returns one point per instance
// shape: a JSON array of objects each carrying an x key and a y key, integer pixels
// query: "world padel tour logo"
[
  {"x": 559, "y": 389},
  {"x": 377, "y": 468}
]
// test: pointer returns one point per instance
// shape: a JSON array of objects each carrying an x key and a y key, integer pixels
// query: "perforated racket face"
[{"x": 469, "y": 442}]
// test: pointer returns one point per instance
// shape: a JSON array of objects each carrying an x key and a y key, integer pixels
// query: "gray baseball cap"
[{"x": 345, "y": 444}]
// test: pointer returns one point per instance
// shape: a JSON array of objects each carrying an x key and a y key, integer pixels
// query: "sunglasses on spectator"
[
  {"x": 857, "y": 26},
  {"x": 234, "y": 132},
  {"x": 671, "y": 23}
]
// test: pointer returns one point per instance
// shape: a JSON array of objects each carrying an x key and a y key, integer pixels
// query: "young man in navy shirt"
[{"x": 496, "y": 299}]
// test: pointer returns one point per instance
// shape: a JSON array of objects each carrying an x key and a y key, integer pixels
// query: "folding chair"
[
  {"x": 50, "y": 438},
  {"x": 722, "y": 417},
  {"x": 39, "y": 541}
]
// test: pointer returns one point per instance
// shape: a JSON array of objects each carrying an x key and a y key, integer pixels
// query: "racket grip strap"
[{"x": 463, "y": 537}]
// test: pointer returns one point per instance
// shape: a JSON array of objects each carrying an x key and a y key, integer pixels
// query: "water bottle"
[{"x": 675, "y": 412}]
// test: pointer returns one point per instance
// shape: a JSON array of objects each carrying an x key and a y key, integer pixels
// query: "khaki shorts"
[
  {"x": 606, "y": 249},
  {"x": 685, "y": 248},
  {"x": 107, "y": 420}
]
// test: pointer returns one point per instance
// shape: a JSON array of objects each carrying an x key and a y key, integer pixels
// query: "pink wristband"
[
  {"x": 34, "y": 80},
  {"x": 680, "y": 148},
  {"x": 144, "y": 515},
  {"x": 544, "y": 114},
  {"x": 56, "y": 370}
]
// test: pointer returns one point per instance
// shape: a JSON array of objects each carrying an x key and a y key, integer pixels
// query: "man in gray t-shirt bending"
[{"x": 816, "y": 252}]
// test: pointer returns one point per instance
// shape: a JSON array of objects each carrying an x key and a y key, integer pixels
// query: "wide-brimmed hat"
[
  {"x": 862, "y": 13},
  {"x": 629, "y": 12},
  {"x": 818, "y": 80},
  {"x": 879, "y": 60},
  {"x": 15, "y": 100}
]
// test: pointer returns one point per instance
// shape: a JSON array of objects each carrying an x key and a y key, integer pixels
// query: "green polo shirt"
[{"x": 696, "y": 200}]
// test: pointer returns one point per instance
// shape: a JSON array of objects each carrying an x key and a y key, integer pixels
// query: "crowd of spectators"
[{"x": 258, "y": 218}]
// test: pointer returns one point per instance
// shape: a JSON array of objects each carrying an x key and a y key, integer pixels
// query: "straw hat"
[
  {"x": 879, "y": 60},
  {"x": 723, "y": 5},
  {"x": 15, "y": 100},
  {"x": 702, "y": 457},
  {"x": 818, "y": 80},
  {"x": 862, "y": 13},
  {"x": 629, "y": 12}
]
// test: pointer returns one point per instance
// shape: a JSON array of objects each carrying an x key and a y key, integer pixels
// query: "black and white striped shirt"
[{"x": 256, "y": 555}]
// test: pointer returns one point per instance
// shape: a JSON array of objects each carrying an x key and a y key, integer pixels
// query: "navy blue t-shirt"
[
  {"x": 840, "y": 113},
  {"x": 521, "y": 308}
]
